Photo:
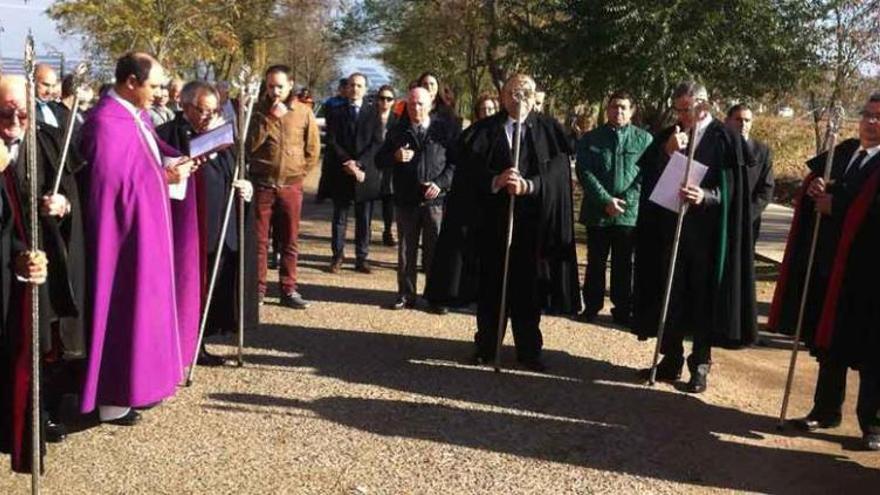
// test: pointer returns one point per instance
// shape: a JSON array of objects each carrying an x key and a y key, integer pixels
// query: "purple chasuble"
[
  {"x": 187, "y": 265},
  {"x": 135, "y": 357}
]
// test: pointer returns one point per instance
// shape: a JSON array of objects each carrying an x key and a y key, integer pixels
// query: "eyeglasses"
[
  {"x": 871, "y": 118},
  {"x": 204, "y": 112},
  {"x": 10, "y": 113},
  {"x": 386, "y": 98}
]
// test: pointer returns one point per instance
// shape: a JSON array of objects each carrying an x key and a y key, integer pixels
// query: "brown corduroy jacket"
[{"x": 282, "y": 151}]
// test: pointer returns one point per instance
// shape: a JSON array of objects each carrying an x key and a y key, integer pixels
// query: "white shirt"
[
  {"x": 508, "y": 130},
  {"x": 870, "y": 154},
  {"x": 136, "y": 114},
  {"x": 48, "y": 115},
  {"x": 701, "y": 129},
  {"x": 14, "y": 148},
  {"x": 424, "y": 125}
]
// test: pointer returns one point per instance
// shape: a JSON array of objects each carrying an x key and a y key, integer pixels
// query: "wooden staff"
[
  {"x": 34, "y": 239},
  {"x": 248, "y": 98},
  {"x": 520, "y": 98},
  {"x": 673, "y": 257},
  {"x": 78, "y": 74},
  {"x": 831, "y": 141}
]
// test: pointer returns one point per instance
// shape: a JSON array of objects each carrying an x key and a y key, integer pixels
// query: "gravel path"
[{"x": 351, "y": 398}]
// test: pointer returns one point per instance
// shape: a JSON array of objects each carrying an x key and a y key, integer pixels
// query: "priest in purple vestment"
[{"x": 135, "y": 358}]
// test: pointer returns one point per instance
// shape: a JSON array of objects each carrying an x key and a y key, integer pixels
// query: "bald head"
[
  {"x": 47, "y": 82},
  {"x": 13, "y": 107},
  {"x": 418, "y": 105},
  {"x": 518, "y": 87},
  {"x": 138, "y": 77}
]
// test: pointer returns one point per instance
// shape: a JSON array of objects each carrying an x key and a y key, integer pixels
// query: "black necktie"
[{"x": 856, "y": 166}]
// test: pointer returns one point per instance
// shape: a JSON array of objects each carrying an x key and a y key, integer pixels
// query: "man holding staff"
[
  {"x": 854, "y": 162},
  {"x": 542, "y": 269},
  {"x": 713, "y": 291}
]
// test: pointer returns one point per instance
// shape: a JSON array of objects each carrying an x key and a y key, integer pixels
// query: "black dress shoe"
[
  {"x": 438, "y": 309},
  {"x": 871, "y": 441},
  {"x": 699, "y": 379},
  {"x": 55, "y": 432},
  {"x": 588, "y": 316},
  {"x": 620, "y": 318},
  {"x": 480, "y": 360},
  {"x": 533, "y": 364},
  {"x": 814, "y": 422},
  {"x": 132, "y": 418},
  {"x": 210, "y": 360},
  {"x": 363, "y": 267},
  {"x": 401, "y": 302},
  {"x": 668, "y": 370},
  {"x": 388, "y": 239}
]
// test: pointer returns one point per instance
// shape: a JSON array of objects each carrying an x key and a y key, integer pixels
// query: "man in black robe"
[
  {"x": 62, "y": 237},
  {"x": 761, "y": 180},
  {"x": 713, "y": 295},
  {"x": 543, "y": 267},
  {"x": 854, "y": 341},
  {"x": 18, "y": 265},
  {"x": 200, "y": 104}
]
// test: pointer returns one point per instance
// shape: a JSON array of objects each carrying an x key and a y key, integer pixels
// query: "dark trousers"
[
  {"x": 831, "y": 392},
  {"x": 363, "y": 213},
  {"x": 523, "y": 307},
  {"x": 617, "y": 241},
  {"x": 414, "y": 222},
  {"x": 387, "y": 213},
  {"x": 690, "y": 307},
  {"x": 287, "y": 200}
]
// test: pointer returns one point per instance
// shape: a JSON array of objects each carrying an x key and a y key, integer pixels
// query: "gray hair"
[
  {"x": 690, "y": 88},
  {"x": 193, "y": 89}
]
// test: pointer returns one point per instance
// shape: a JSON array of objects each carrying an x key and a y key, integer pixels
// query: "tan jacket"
[{"x": 282, "y": 151}]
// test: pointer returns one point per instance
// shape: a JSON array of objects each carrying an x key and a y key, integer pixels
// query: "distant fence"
[{"x": 15, "y": 65}]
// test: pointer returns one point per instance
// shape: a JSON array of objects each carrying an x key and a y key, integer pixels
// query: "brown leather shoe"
[
  {"x": 335, "y": 266},
  {"x": 363, "y": 267}
]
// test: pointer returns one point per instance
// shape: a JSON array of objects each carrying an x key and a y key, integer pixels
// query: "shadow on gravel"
[
  {"x": 584, "y": 412},
  {"x": 347, "y": 295}
]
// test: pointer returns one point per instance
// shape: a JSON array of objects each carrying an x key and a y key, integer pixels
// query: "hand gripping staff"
[
  {"x": 673, "y": 257},
  {"x": 34, "y": 240},
  {"x": 831, "y": 141},
  {"x": 520, "y": 96},
  {"x": 249, "y": 90},
  {"x": 79, "y": 74}
]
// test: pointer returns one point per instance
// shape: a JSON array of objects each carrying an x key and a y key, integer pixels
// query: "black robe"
[
  {"x": 472, "y": 210},
  {"x": 15, "y": 331},
  {"x": 789, "y": 287},
  {"x": 63, "y": 240},
  {"x": 725, "y": 229},
  {"x": 849, "y": 329},
  {"x": 213, "y": 181}
]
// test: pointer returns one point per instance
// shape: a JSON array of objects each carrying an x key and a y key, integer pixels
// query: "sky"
[{"x": 17, "y": 16}]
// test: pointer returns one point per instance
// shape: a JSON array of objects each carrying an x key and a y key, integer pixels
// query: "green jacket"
[{"x": 607, "y": 167}]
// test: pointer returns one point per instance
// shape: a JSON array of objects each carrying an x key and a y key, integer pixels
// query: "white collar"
[
  {"x": 424, "y": 124},
  {"x": 125, "y": 103},
  {"x": 870, "y": 151}
]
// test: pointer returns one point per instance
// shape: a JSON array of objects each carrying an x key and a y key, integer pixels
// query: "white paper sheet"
[
  {"x": 666, "y": 192},
  {"x": 175, "y": 191}
]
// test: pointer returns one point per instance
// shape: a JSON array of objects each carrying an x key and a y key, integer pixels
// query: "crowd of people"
[{"x": 129, "y": 238}]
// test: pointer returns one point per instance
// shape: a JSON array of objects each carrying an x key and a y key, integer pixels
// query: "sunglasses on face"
[
  {"x": 386, "y": 98},
  {"x": 10, "y": 113}
]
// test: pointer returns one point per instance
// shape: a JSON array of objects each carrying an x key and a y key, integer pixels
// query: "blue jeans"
[{"x": 363, "y": 213}]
